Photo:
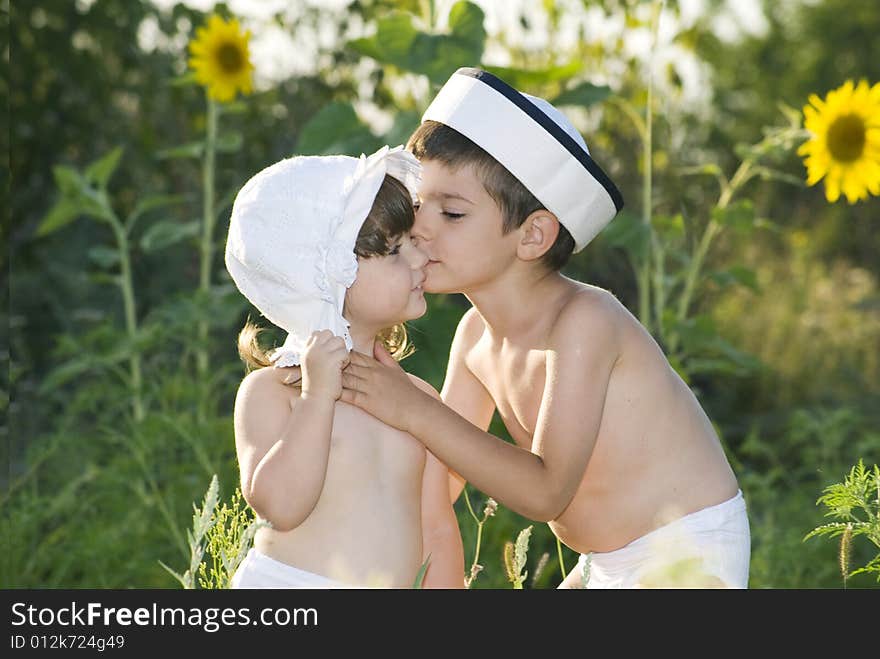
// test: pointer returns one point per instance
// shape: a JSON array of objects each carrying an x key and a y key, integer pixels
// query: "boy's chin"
[{"x": 435, "y": 290}]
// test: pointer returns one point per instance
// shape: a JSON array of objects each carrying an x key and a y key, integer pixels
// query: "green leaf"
[
  {"x": 151, "y": 202},
  {"x": 100, "y": 171},
  {"x": 404, "y": 125},
  {"x": 62, "y": 213},
  {"x": 710, "y": 169},
  {"x": 770, "y": 174},
  {"x": 399, "y": 43},
  {"x": 438, "y": 57},
  {"x": 76, "y": 190},
  {"x": 420, "y": 577},
  {"x": 671, "y": 227},
  {"x": 233, "y": 107},
  {"x": 584, "y": 95},
  {"x": 336, "y": 128},
  {"x": 466, "y": 23},
  {"x": 104, "y": 278},
  {"x": 628, "y": 232},
  {"x": 737, "y": 275},
  {"x": 189, "y": 150},
  {"x": 65, "y": 372},
  {"x": 184, "y": 80},
  {"x": 739, "y": 216},
  {"x": 167, "y": 232},
  {"x": 229, "y": 142},
  {"x": 68, "y": 180},
  {"x": 532, "y": 78},
  {"x": 394, "y": 37},
  {"x": 106, "y": 257}
]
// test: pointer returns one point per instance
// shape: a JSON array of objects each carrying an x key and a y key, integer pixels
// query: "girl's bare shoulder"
[{"x": 268, "y": 385}]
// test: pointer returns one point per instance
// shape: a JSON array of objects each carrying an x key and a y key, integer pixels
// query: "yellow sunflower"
[
  {"x": 221, "y": 59},
  {"x": 845, "y": 143}
]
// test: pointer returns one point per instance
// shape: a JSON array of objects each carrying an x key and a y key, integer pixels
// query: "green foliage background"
[{"x": 781, "y": 350}]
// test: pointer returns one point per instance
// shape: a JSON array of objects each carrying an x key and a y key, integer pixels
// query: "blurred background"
[{"x": 122, "y": 320}]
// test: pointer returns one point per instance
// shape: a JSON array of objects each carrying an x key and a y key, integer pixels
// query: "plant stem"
[
  {"x": 647, "y": 193},
  {"x": 559, "y": 552},
  {"x": 127, "y": 286},
  {"x": 207, "y": 245},
  {"x": 645, "y": 272},
  {"x": 713, "y": 228},
  {"x": 471, "y": 576}
]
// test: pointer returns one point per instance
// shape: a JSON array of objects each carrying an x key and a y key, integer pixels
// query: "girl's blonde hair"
[{"x": 391, "y": 216}]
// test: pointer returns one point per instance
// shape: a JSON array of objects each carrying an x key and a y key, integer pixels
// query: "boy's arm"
[
  {"x": 462, "y": 391},
  {"x": 538, "y": 484},
  {"x": 441, "y": 537}
]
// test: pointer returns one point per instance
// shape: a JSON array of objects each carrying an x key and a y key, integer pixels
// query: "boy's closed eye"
[{"x": 452, "y": 215}]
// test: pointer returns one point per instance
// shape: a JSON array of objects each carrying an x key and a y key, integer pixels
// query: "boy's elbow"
[{"x": 550, "y": 506}]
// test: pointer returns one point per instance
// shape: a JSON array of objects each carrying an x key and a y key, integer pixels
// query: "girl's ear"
[{"x": 538, "y": 233}]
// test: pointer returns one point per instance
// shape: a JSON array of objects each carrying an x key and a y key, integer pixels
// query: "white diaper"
[
  {"x": 259, "y": 571},
  {"x": 707, "y": 548}
]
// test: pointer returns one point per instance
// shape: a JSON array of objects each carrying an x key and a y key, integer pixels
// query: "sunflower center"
[
  {"x": 230, "y": 58},
  {"x": 846, "y": 138}
]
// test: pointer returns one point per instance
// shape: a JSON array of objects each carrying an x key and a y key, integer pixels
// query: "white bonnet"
[{"x": 290, "y": 247}]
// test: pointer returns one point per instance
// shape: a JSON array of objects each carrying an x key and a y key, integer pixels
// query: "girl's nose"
[
  {"x": 421, "y": 231},
  {"x": 419, "y": 258}
]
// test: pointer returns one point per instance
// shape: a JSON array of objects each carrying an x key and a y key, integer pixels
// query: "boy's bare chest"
[{"x": 514, "y": 377}]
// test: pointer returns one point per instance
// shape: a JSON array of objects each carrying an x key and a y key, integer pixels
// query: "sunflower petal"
[{"x": 221, "y": 75}]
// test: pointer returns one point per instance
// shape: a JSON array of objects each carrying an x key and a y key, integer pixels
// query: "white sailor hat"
[{"x": 536, "y": 143}]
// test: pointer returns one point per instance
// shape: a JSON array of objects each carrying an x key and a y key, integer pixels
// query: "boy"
[{"x": 611, "y": 447}]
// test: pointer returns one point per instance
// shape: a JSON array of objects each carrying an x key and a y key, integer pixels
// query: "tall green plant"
[
  {"x": 488, "y": 511},
  {"x": 856, "y": 504},
  {"x": 220, "y": 537},
  {"x": 85, "y": 194},
  {"x": 669, "y": 252}
]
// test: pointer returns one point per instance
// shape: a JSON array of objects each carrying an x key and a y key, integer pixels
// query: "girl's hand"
[{"x": 323, "y": 359}]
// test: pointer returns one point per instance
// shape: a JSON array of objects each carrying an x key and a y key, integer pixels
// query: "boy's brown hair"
[{"x": 433, "y": 140}]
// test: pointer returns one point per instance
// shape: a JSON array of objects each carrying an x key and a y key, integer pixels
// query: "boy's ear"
[{"x": 538, "y": 233}]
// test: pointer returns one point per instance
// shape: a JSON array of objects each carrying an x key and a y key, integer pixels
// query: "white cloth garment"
[
  {"x": 260, "y": 571},
  {"x": 290, "y": 246},
  {"x": 536, "y": 143},
  {"x": 707, "y": 548}
]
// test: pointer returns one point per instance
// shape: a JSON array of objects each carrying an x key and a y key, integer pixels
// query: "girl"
[{"x": 321, "y": 246}]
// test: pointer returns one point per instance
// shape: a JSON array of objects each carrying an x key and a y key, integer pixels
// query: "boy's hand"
[
  {"x": 323, "y": 359},
  {"x": 381, "y": 387}
]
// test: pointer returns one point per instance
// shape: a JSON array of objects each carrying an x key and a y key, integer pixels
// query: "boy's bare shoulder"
[
  {"x": 469, "y": 330},
  {"x": 590, "y": 315},
  {"x": 471, "y": 322},
  {"x": 423, "y": 385}
]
